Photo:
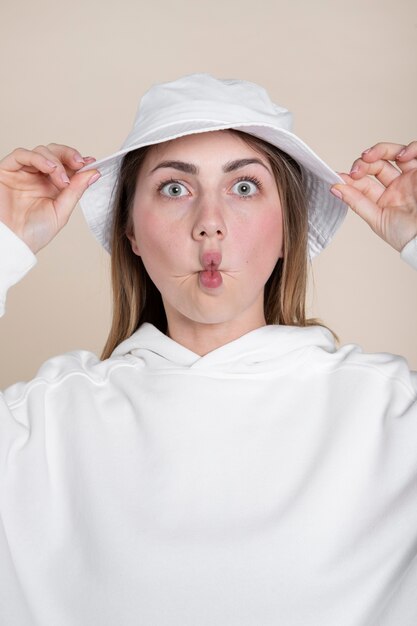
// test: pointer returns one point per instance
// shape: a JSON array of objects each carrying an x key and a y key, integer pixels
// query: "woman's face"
[{"x": 207, "y": 222}]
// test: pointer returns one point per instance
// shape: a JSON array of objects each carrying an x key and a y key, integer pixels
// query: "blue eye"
[
  {"x": 173, "y": 189},
  {"x": 247, "y": 187}
]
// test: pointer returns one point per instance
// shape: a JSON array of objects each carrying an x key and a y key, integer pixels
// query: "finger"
[
  {"x": 370, "y": 187},
  {"x": 383, "y": 150},
  {"x": 59, "y": 175},
  {"x": 21, "y": 158},
  {"x": 408, "y": 152},
  {"x": 359, "y": 203},
  {"x": 408, "y": 166},
  {"x": 67, "y": 162},
  {"x": 405, "y": 157},
  {"x": 383, "y": 171},
  {"x": 67, "y": 155},
  {"x": 66, "y": 201}
]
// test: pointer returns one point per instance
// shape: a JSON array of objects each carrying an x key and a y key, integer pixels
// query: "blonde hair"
[{"x": 136, "y": 299}]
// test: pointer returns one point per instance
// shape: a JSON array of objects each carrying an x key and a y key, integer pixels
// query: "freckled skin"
[{"x": 208, "y": 212}]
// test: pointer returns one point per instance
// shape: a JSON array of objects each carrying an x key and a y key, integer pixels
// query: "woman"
[{"x": 224, "y": 463}]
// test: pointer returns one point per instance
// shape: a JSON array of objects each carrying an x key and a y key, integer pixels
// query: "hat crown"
[
  {"x": 200, "y": 103},
  {"x": 201, "y": 96}
]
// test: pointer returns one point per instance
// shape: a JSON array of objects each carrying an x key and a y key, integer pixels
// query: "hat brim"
[{"x": 326, "y": 212}]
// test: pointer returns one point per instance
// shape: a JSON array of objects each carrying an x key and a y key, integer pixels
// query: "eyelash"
[
  {"x": 251, "y": 179},
  {"x": 160, "y": 186}
]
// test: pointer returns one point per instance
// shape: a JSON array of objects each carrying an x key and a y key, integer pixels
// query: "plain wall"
[{"x": 73, "y": 73}]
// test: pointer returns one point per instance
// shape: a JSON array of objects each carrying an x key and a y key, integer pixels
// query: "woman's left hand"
[{"x": 387, "y": 202}]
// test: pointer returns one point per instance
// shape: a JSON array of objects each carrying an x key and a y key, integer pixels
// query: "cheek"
[
  {"x": 264, "y": 240},
  {"x": 146, "y": 230},
  {"x": 156, "y": 243},
  {"x": 274, "y": 236}
]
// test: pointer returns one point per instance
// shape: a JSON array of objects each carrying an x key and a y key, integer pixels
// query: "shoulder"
[
  {"x": 362, "y": 370},
  {"x": 75, "y": 370}
]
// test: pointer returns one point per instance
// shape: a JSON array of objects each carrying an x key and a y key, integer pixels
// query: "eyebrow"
[{"x": 190, "y": 168}]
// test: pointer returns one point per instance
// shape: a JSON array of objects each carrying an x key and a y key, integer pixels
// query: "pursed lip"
[{"x": 211, "y": 260}]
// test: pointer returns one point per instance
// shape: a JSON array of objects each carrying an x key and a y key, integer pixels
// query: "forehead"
[{"x": 220, "y": 146}]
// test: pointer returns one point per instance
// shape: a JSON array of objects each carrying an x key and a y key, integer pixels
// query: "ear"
[{"x": 133, "y": 243}]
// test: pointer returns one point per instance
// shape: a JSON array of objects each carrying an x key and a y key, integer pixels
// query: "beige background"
[{"x": 73, "y": 73}]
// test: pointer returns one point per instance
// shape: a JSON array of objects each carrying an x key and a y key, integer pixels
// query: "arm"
[
  {"x": 39, "y": 189},
  {"x": 16, "y": 260},
  {"x": 382, "y": 188}
]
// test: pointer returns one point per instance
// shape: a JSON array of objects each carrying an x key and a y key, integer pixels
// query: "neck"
[
  {"x": 205, "y": 338},
  {"x": 202, "y": 338}
]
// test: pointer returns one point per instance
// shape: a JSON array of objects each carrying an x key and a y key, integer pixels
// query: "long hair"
[{"x": 136, "y": 299}]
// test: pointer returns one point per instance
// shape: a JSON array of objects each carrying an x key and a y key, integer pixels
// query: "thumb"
[
  {"x": 67, "y": 200},
  {"x": 359, "y": 203}
]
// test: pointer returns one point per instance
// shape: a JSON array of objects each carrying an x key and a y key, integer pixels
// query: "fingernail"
[
  {"x": 336, "y": 193},
  {"x": 89, "y": 158},
  {"x": 78, "y": 158},
  {"x": 366, "y": 151},
  {"x": 51, "y": 163},
  {"x": 354, "y": 169},
  {"x": 400, "y": 154},
  {"x": 94, "y": 178},
  {"x": 65, "y": 178}
]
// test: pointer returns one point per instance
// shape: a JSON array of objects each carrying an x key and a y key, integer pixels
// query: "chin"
[
  {"x": 213, "y": 313},
  {"x": 211, "y": 318}
]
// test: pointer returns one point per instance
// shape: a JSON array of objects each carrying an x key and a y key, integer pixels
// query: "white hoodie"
[{"x": 271, "y": 482}]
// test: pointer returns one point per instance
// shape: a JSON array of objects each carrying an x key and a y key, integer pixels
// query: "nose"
[{"x": 209, "y": 222}]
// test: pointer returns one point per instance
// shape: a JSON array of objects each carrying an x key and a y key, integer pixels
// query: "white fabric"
[
  {"x": 409, "y": 253},
  {"x": 272, "y": 481},
  {"x": 201, "y": 103},
  {"x": 16, "y": 260}
]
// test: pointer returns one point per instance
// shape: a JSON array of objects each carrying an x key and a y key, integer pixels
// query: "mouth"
[
  {"x": 210, "y": 277},
  {"x": 211, "y": 260}
]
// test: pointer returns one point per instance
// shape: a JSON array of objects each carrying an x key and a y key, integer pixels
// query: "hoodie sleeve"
[
  {"x": 16, "y": 261},
  {"x": 409, "y": 253}
]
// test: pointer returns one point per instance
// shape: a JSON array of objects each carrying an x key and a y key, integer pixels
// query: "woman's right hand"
[{"x": 39, "y": 190}]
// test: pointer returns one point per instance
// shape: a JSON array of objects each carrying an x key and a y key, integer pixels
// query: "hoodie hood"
[{"x": 267, "y": 348}]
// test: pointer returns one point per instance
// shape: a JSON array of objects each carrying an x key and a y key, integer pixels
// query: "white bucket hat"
[{"x": 200, "y": 103}]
